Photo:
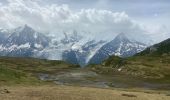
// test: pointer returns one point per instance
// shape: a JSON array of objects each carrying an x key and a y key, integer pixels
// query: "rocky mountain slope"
[
  {"x": 74, "y": 48},
  {"x": 23, "y": 42},
  {"x": 120, "y": 46}
]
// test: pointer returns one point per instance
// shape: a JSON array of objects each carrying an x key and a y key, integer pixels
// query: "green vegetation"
[
  {"x": 159, "y": 49},
  {"x": 109, "y": 66},
  {"x": 114, "y": 61},
  {"x": 24, "y": 70},
  {"x": 152, "y": 64},
  {"x": 149, "y": 68},
  {"x": 10, "y": 77}
]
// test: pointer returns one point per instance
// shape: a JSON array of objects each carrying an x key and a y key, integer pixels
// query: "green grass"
[
  {"x": 148, "y": 68},
  {"x": 114, "y": 61},
  {"x": 11, "y": 76},
  {"x": 24, "y": 70}
]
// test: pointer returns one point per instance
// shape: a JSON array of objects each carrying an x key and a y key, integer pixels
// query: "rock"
[
  {"x": 3, "y": 91},
  {"x": 129, "y": 95}
]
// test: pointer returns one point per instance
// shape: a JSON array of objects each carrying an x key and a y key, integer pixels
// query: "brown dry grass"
[{"x": 75, "y": 93}]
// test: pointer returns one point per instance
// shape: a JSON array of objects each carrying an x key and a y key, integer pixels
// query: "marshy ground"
[{"x": 88, "y": 78}]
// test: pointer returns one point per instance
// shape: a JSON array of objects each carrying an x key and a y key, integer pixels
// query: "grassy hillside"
[
  {"x": 109, "y": 66},
  {"x": 149, "y": 68},
  {"x": 10, "y": 76},
  {"x": 24, "y": 70},
  {"x": 162, "y": 48},
  {"x": 152, "y": 64}
]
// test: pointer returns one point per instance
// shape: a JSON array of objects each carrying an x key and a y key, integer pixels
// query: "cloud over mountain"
[{"x": 55, "y": 18}]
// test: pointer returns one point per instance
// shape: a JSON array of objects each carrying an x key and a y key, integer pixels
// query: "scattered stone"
[
  {"x": 148, "y": 92},
  {"x": 112, "y": 85},
  {"x": 129, "y": 95},
  {"x": 3, "y": 91}
]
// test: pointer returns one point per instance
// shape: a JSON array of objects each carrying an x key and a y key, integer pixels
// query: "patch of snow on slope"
[
  {"x": 38, "y": 45},
  {"x": 26, "y": 45},
  {"x": 93, "y": 52},
  {"x": 118, "y": 51},
  {"x": 35, "y": 35},
  {"x": 14, "y": 47},
  {"x": 77, "y": 47}
]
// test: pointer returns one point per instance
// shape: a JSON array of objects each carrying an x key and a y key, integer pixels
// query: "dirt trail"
[{"x": 76, "y": 93}]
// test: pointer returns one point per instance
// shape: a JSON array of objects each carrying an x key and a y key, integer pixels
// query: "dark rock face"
[
  {"x": 120, "y": 46},
  {"x": 84, "y": 53},
  {"x": 70, "y": 56},
  {"x": 22, "y": 42}
]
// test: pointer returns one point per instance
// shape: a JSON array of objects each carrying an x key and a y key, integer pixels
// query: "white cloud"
[{"x": 58, "y": 18}]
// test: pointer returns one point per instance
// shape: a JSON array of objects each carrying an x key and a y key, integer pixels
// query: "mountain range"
[{"x": 73, "y": 48}]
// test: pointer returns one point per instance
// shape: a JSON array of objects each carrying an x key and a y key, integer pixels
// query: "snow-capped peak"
[
  {"x": 71, "y": 38},
  {"x": 122, "y": 37},
  {"x": 120, "y": 46},
  {"x": 74, "y": 47}
]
